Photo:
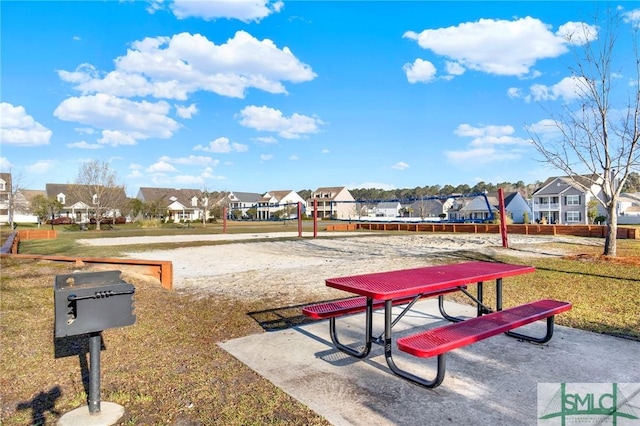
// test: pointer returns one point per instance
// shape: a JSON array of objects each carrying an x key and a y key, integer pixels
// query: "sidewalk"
[{"x": 492, "y": 382}]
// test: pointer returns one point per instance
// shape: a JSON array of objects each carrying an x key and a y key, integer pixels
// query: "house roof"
[
  {"x": 72, "y": 198},
  {"x": 388, "y": 205},
  {"x": 28, "y": 194},
  {"x": 432, "y": 207},
  {"x": 168, "y": 196},
  {"x": 6, "y": 177},
  {"x": 278, "y": 195},
  {"x": 565, "y": 182},
  {"x": 246, "y": 197}
]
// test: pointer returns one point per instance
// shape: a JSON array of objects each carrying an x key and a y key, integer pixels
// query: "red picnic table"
[{"x": 405, "y": 287}]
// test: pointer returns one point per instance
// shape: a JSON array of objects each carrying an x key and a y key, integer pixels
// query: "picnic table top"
[{"x": 406, "y": 282}]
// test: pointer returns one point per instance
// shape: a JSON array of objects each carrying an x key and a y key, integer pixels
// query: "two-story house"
[
  {"x": 285, "y": 202},
  {"x": 333, "y": 203},
  {"x": 178, "y": 205},
  {"x": 241, "y": 202},
  {"x": 563, "y": 201},
  {"x": 5, "y": 197},
  {"x": 388, "y": 209},
  {"x": 80, "y": 203}
]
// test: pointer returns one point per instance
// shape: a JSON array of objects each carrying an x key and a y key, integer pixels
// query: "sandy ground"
[{"x": 254, "y": 266}]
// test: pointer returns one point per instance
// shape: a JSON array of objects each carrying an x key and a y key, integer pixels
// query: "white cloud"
[
  {"x": 222, "y": 145},
  {"x": 325, "y": 151},
  {"x": 454, "y": 68},
  {"x": 5, "y": 164},
  {"x": 272, "y": 120},
  {"x": 20, "y": 129},
  {"x": 632, "y": 17},
  {"x": 85, "y": 130},
  {"x": 294, "y": 158},
  {"x": 124, "y": 121},
  {"x": 568, "y": 89},
  {"x": 174, "y": 67},
  {"x": 489, "y": 135},
  {"x": 192, "y": 160},
  {"x": 420, "y": 71},
  {"x": 266, "y": 157},
  {"x": 161, "y": 167},
  {"x": 243, "y": 10},
  {"x": 493, "y": 46},
  {"x": 187, "y": 180},
  {"x": 483, "y": 146},
  {"x": 84, "y": 145},
  {"x": 266, "y": 139},
  {"x": 41, "y": 167},
  {"x": 400, "y": 166},
  {"x": 546, "y": 129},
  {"x": 186, "y": 111},
  {"x": 480, "y": 156},
  {"x": 577, "y": 33}
]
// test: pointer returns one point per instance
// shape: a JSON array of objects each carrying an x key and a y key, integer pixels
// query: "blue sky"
[{"x": 258, "y": 95}]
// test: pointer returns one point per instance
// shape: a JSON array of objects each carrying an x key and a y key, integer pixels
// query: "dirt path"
[{"x": 254, "y": 266}]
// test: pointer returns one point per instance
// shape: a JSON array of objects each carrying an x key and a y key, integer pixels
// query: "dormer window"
[
  {"x": 3, "y": 185},
  {"x": 194, "y": 201},
  {"x": 61, "y": 198},
  {"x": 94, "y": 199}
]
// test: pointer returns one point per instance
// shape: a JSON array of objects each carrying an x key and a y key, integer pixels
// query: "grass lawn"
[{"x": 168, "y": 369}]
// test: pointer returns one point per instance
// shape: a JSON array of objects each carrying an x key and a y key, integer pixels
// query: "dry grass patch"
[{"x": 165, "y": 369}]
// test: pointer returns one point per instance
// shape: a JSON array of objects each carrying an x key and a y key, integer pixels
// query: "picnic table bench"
[{"x": 384, "y": 290}]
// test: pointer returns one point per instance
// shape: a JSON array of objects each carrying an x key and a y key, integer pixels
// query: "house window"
[
  {"x": 572, "y": 200},
  {"x": 573, "y": 216},
  {"x": 194, "y": 202},
  {"x": 94, "y": 199},
  {"x": 61, "y": 199},
  {"x": 3, "y": 185}
]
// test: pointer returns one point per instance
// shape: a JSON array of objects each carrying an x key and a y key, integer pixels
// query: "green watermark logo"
[{"x": 616, "y": 404}]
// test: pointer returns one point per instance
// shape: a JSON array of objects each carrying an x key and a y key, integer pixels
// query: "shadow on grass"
[
  {"x": 77, "y": 345},
  {"x": 42, "y": 403},
  {"x": 285, "y": 317}
]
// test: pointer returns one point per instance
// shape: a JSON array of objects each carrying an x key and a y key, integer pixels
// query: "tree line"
[{"x": 631, "y": 185}]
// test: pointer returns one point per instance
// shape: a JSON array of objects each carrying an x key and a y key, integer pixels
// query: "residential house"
[
  {"x": 5, "y": 198},
  {"x": 629, "y": 209},
  {"x": 81, "y": 210},
  {"x": 430, "y": 208},
  {"x": 388, "y": 209},
  {"x": 477, "y": 209},
  {"x": 22, "y": 212},
  {"x": 487, "y": 207},
  {"x": 178, "y": 205},
  {"x": 285, "y": 202},
  {"x": 333, "y": 203},
  {"x": 240, "y": 201},
  {"x": 562, "y": 200}
]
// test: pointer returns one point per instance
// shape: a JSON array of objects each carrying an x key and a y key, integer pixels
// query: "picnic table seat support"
[
  {"x": 481, "y": 307},
  {"x": 338, "y": 308},
  {"x": 438, "y": 341}
]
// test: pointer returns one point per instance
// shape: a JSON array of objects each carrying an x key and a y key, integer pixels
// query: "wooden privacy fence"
[{"x": 489, "y": 228}]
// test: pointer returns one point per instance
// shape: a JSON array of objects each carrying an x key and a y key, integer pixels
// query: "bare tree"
[
  {"x": 599, "y": 129},
  {"x": 96, "y": 186},
  {"x": 45, "y": 207}
]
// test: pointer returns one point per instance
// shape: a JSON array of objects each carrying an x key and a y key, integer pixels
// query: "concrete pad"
[
  {"x": 490, "y": 382},
  {"x": 108, "y": 415}
]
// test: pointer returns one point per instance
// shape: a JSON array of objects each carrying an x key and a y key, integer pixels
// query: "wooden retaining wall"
[
  {"x": 486, "y": 228},
  {"x": 38, "y": 234},
  {"x": 159, "y": 269}
]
